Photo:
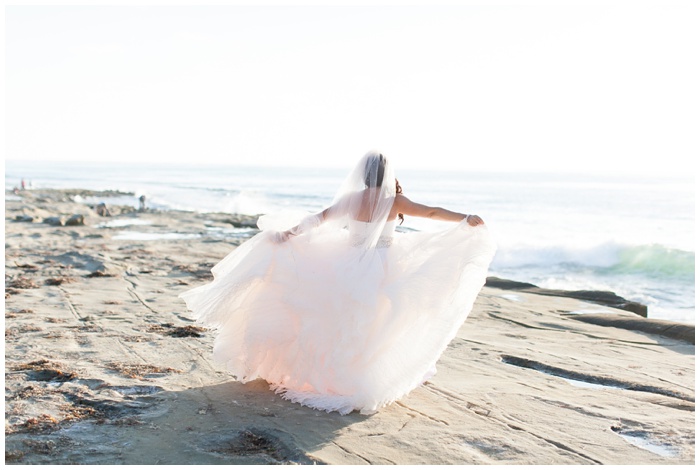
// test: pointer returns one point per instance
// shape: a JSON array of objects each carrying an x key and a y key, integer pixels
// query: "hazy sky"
[{"x": 603, "y": 87}]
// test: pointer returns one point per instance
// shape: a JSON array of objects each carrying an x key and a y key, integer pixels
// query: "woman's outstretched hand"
[
  {"x": 281, "y": 237},
  {"x": 474, "y": 220}
]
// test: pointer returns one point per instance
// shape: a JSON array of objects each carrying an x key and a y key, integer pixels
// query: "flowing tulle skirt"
[{"x": 336, "y": 332}]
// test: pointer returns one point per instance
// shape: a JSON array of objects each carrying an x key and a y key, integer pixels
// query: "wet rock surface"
[{"x": 600, "y": 297}]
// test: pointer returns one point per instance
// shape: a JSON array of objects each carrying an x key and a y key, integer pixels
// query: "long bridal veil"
[{"x": 366, "y": 195}]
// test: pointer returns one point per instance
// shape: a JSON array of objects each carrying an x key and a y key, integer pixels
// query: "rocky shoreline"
[
  {"x": 103, "y": 364},
  {"x": 679, "y": 331}
]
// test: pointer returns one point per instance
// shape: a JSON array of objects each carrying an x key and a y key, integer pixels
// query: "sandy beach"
[{"x": 104, "y": 365}]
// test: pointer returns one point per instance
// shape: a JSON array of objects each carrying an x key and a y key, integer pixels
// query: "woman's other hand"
[
  {"x": 281, "y": 237},
  {"x": 474, "y": 220}
]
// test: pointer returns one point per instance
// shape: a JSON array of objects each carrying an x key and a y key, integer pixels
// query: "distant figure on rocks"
[
  {"x": 24, "y": 186},
  {"x": 142, "y": 203},
  {"x": 102, "y": 210}
]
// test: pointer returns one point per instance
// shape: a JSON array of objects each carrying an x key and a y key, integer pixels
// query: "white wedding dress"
[{"x": 337, "y": 326}]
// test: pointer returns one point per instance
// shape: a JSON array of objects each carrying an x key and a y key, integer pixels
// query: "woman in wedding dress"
[{"x": 336, "y": 310}]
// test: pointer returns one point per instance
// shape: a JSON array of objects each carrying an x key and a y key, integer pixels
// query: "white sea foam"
[
  {"x": 123, "y": 223},
  {"x": 142, "y": 236}
]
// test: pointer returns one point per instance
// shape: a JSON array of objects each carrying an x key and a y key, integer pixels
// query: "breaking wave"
[{"x": 652, "y": 260}]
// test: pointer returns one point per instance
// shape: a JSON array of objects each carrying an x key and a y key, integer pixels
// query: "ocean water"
[{"x": 633, "y": 235}]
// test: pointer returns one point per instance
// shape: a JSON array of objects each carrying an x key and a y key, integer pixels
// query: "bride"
[{"x": 336, "y": 310}]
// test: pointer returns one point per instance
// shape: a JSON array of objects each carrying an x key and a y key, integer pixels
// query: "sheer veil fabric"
[{"x": 346, "y": 314}]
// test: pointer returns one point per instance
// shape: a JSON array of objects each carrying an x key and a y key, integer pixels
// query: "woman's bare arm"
[{"x": 405, "y": 206}]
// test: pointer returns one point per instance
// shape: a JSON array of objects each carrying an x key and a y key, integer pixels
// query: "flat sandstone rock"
[{"x": 111, "y": 369}]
